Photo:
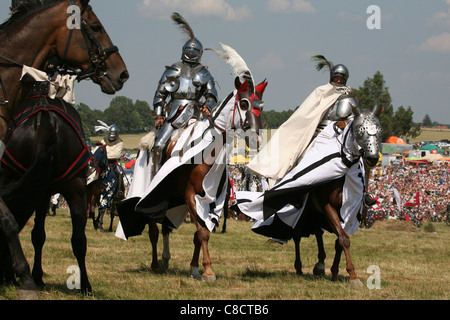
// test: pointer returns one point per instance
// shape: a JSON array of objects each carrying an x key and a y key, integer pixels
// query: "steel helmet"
[
  {"x": 113, "y": 132},
  {"x": 339, "y": 70},
  {"x": 192, "y": 51}
]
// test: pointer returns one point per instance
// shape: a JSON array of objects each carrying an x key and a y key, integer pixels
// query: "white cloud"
[
  {"x": 441, "y": 17},
  {"x": 290, "y": 6},
  {"x": 437, "y": 44},
  {"x": 271, "y": 62},
  {"x": 162, "y": 9}
]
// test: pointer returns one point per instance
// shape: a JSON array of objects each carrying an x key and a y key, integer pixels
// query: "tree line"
[{"x": 136, "y": 117}]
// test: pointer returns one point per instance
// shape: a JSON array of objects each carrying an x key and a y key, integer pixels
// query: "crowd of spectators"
[{"x": 423, "y": 192}]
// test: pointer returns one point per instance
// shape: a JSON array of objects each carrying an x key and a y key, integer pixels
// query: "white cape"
[
  {"x": 288, "y": 143},
  {"x": 209, "y": 207},
  {"x": 323, "y": 162}
]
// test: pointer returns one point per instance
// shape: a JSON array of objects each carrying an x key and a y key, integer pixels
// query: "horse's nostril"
[{"x": 124, "y": 76}]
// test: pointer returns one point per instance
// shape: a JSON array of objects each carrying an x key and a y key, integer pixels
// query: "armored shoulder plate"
[{"x": 202, "y": 77}]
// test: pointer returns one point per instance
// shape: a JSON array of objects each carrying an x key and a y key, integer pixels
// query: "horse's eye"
[
  {"x": 244, "y": 104},
  {"x": 96, "y": 27}
]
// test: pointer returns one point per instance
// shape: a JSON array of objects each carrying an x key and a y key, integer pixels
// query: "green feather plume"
[{"x": 322, "y": 62}]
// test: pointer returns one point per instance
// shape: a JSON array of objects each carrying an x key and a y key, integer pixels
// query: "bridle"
[{"x": 97, "y": 53}]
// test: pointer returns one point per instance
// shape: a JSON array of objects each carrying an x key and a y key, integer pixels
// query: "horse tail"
[{"x": 31, "y": 187}]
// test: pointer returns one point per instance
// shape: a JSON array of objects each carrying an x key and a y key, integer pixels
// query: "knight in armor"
[
  {"x": 341, "y": 109},
  {"x": 185, "y": 91},
  {"x": 111, "y": 177}
]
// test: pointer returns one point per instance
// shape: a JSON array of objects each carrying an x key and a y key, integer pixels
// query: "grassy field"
[{"x": 413, "y": 265}]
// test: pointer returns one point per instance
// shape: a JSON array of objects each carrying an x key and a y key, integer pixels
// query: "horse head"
[
  {"x": 248, "y": 103},
  {"x": 249, "y": 106},
  {"x": 86, "y": 47},
  {"x": 367, "y": 131}
]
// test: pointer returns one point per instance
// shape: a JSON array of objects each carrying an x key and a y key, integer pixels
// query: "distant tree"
[
  {"x": 404, "y": 125},
  {"x": 89, "y": 119},
  {"x": 426, "y": 122}
]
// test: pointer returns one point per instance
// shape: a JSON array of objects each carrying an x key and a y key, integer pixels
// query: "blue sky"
[{"x": 277, "y": 39}]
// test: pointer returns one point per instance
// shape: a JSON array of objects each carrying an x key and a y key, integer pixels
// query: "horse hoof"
[
  {"x": 28, "y": 294},
  {"x": 356, "y": 283},
  {"x": 195, "y": 274},
  {"x": 211, "y": 278},
  {"x": 164, "y": 264},
  {"x": 319, "y": 269}
]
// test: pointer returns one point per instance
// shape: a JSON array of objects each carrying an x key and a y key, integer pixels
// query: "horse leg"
[
  {"x": 195, "y": 273},
  {"x": 112, "y": 212},
  {"x": 336, "y": 261},
  {"x": 99, "y": 220},
  {"x": 153, "y": 234},
  {"x": 166, "y": 248},
  {"x": 298, "y": 261},
  {"x": 78, "y": 207},
  {"x": 201, "y": 238},
  {"x": 38, "y": 239},
  {"x": 225, "y": 208},
  {"x": 319, "y": 268},
  {"x": 344, "y": 242},
  {"x": 28, "y": 289}
]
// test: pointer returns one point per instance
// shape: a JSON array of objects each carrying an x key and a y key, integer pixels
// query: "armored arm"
[
  {"x": 205, "y": 80},
  {"x": 167, "y": 84}
]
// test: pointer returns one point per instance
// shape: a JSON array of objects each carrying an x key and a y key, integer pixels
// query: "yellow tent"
[{"x": 238, "y": 159}]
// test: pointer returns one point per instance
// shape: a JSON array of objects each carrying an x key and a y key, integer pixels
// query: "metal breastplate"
[{"x": 187, "y": 89}]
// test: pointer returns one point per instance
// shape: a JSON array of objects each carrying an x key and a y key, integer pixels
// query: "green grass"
[{"x": 413, "y": 265}]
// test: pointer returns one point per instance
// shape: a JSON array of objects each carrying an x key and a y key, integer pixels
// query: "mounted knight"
[{"x": 186, "y": 89}]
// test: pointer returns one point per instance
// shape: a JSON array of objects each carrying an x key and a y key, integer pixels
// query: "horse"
[
  {"x": 325, "y": 201},
  {"x": 89, "y": 53},
  {"x": 185, "y": 183}
]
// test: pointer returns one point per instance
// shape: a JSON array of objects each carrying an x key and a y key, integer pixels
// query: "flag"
[
  {"x": 414, "y": 201},
  {"x": 397, "y": 198}
]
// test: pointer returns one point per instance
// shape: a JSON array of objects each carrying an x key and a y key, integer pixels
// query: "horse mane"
[{"x": 24, "y": 11}]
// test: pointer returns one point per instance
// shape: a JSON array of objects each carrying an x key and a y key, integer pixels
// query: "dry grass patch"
[{"x": 413, "y": 265}]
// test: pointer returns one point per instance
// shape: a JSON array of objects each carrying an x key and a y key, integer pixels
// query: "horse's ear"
[
  {"x": 84, "y": 3},
  {"x": 237, "y": 83},
  {"x": 356, "y": 110},
  {"x": 377, "y": 110}
]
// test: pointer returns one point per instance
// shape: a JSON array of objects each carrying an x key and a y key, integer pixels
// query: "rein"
[{"x": 97, "y": 57}]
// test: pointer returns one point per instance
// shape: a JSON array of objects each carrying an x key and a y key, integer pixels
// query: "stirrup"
[{"x": 369, "y": 200}]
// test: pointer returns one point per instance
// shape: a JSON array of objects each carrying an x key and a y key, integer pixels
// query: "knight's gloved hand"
[
  {"x": 159, "y": 122},
  {"x": 205, "y": 110}
]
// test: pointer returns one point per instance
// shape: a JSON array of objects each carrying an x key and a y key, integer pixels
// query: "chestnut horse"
[
  {"x": 241, "y": 110},
  {"x": 324, "y": 202},
  {"x": 88, "y": 51}
]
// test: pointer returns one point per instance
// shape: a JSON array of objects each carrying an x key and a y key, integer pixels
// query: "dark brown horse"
[
  {"x": 186, "y": 182},
  {"x": 325, "y": 201},
  {"x": 44, "y": 32}
]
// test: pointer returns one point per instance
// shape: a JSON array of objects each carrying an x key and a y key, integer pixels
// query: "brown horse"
[
  {"x": 183, "y": 184},
  {"x": 325, "y": 201},
  {"x": 43, "y": 30}
]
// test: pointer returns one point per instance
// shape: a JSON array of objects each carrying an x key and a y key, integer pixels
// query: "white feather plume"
[
  {"x": 103, "y": 127},
  {"x": 236, "y": 62}
]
